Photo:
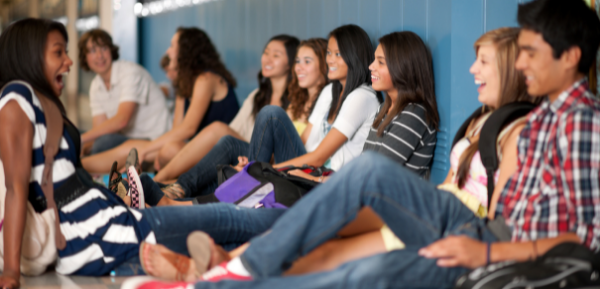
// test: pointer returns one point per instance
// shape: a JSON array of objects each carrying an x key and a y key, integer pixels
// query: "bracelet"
[
  {"x": 535, "y": 254},
  {"x": 487, "y": 256}
]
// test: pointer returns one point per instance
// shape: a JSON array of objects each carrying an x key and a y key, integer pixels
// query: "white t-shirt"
[
  {"x": 354, "y": 121},
  {"x": 131, "y": 82},
  {"x": 243, "y": 123}
]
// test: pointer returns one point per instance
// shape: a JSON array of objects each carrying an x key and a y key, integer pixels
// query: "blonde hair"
[{"x": 512, "y": 84}]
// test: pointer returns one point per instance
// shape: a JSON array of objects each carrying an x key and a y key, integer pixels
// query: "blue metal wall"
[{"x": 240, "y": 28}]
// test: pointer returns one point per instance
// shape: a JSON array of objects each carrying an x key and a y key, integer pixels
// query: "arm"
[
  {"x": 114, "y": 124},
  {"x": 508, "y": 165},
  {"x": 204, "y": 88},
  {"x": 463, "y": 251},
  {"x": 179, "y": 108},
  {"x": 330, "y": 144},
  {"x": 16, "y": 134}
]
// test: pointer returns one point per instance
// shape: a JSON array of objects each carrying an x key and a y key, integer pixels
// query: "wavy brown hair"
[
  {"x": 197, "y": 55},
  {"x": 297, "y": 95},
  {"x": 100, "y": 38},
  {"x": 265, "y": 87},
  {"x": 512, "y": 84},
  {"x": 411, "y": 69}
]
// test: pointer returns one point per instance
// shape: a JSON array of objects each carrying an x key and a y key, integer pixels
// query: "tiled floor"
[{"x": 51, "y": 280}]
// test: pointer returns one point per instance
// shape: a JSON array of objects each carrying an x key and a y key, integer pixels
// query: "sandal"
[
  {"x": 114, "y": 178},
  {"x": 198, "y": 244},
  {"x": 180, "y": 262}
]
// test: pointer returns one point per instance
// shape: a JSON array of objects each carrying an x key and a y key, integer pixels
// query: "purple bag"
[{"x": 258, "y": 185}]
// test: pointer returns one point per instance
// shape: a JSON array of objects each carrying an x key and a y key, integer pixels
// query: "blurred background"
[{"x": 240, "y": 28}]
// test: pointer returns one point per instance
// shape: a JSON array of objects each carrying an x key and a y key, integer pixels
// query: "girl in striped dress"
[{"x": 101, "y": 233}]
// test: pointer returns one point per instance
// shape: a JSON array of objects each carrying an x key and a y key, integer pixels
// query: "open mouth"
[
  {"x": 332, "y": 69},
  {"x": 480, "y": 83},
  {"x": 60, "y": 79},
  {"x": 268, "y": 67},
  {"x": 374, "y": 78}
]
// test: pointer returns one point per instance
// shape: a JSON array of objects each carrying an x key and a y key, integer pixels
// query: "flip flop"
[
  {"x": 114, "y": 178},
  {"x": 198, "y": 244},
  {"x": 180, "y": 262}
]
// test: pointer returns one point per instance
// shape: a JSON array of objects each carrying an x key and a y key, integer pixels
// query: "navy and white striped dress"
[{"x": 101, "y": 232}]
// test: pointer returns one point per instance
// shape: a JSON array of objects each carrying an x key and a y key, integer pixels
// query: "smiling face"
[
  {"x": 173, "y": 52},
  {"x": 487, "y": 76},
  {"x": 338, "y": 69},
  {"x": 274, "y": 60},
  {"x": 307, "y": 68},
  {"x": 544, "y": 75},
  {"x": 380, "y": 75},
  {"x": 98, "y": 57},
  {"x": 56, "y": 61}
]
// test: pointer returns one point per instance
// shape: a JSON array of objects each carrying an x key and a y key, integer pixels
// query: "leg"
[
  {"x": 169, "y": 151},
  {"x": 195, "y": 150},
  {"x": 414, "y": 209},
  {"x": 100, "y": 163},
  {"x": 225, "y": 223},
  {"x": 107, "y": 142},
  {"x": 202, "y": 178},
  {"x": 274, "y": 134},
  {"x": 396, "y": 269}
]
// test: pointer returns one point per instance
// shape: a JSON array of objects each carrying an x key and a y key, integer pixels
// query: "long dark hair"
[
  {"x": 22, "y": 47},
  {"x": 357, "y": 51},
  {"x": 265, "y": 87},
  {"x": 411, "y": 69},
  {"x": 197, "y": 55},
  {"x": 298, "y": 96}
]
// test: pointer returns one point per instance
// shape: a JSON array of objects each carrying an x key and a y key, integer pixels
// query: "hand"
[
  {"x": 8, "y": 280},
  {"x": 242, "y": 162},
  {"x": 456, "y": 251}
]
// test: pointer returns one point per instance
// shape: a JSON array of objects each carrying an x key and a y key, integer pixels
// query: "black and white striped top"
[{"x": 408, "y": 139}]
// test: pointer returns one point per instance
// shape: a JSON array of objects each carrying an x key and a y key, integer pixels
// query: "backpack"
[
  {"x": 258, "y": 185},
  {"x": 567, "y": 265},
  {"x": 489, "y": 134}
]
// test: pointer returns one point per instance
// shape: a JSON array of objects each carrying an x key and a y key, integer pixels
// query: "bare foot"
[{"x": 158, "y": 261}]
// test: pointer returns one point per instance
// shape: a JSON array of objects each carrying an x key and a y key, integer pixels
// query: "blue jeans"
[
  {"x": 227, "y": 224},
  {"x": 107, "y": 142},
  {"x": 274, "y": 134},
  {"x": 415, "y": 210}
]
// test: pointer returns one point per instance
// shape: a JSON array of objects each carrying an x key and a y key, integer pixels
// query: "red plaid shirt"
[{"x": 556, "y": 188}]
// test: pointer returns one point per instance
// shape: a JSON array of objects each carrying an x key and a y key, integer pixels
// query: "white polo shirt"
[{"x": 131, "y": 82}]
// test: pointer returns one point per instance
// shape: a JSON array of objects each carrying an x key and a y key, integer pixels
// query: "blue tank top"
[{"x": 223, "y": 110}]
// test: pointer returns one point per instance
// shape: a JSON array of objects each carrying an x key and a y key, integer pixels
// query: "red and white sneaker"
[
  {"x": 146, "y": 282},
  {"x": 221, "y": 272},
  {"x": 136, "y": 192}
]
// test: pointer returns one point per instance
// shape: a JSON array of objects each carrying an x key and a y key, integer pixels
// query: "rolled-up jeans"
[
  {"x": 414, "y": 209},
  {"x": 274, "y": 134}
]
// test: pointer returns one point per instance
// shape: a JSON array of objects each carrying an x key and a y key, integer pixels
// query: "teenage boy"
[
  {"x": 126, "y": 103},
  {"x": 554, "y": 197}
]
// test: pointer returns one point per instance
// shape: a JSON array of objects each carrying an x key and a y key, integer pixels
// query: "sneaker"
[
  {"x": 221, "y": 272},
  {"x": 146, "y": 282},
  {"x": 136, "y": 192}
]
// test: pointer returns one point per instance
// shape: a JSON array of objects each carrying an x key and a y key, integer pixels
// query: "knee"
[
  {"x": 168, "y": 151},
  {"x": 270, "y": 112},
  {"x": 226, "y": 140}
]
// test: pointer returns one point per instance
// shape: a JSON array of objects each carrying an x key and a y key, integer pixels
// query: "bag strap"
[
  {"x": 489, "y": 134},
  {"x": 462, "y": 131},
  {"x": 54, "y": 128}
]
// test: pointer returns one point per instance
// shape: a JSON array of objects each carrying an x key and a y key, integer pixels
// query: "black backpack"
[{"x": 489, "y": 133}]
